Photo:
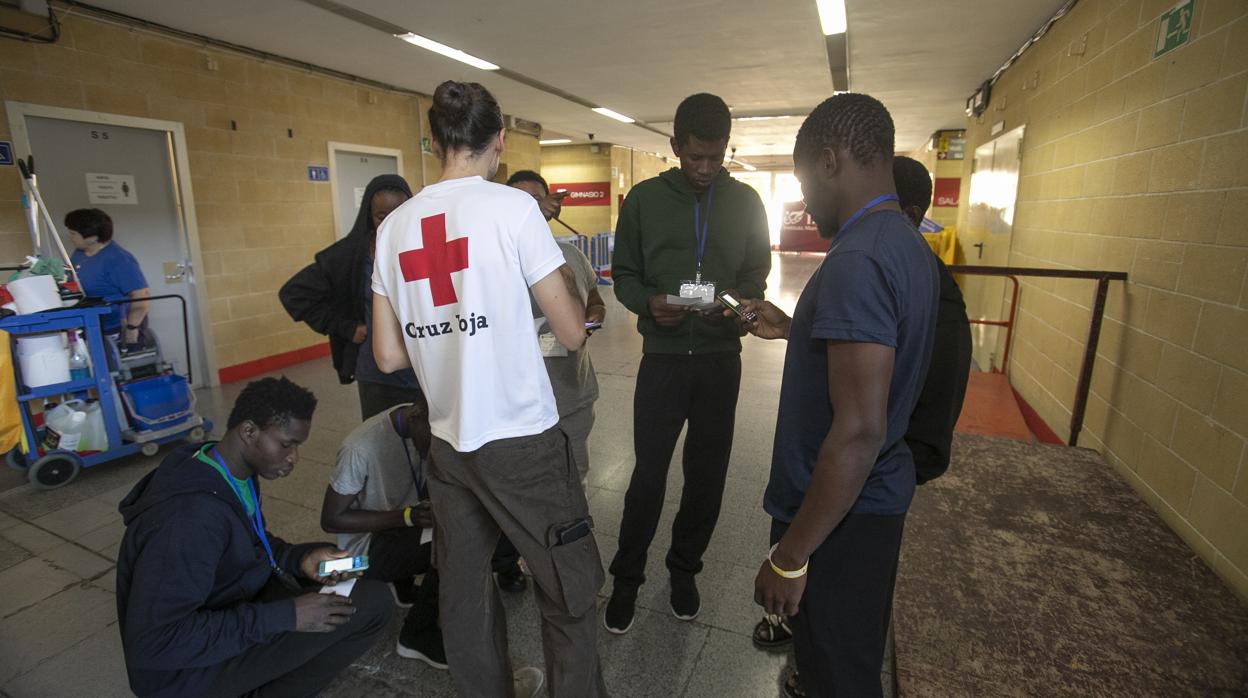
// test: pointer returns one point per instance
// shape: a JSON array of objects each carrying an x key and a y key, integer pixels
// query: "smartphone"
[
  {"x": 574, "y": 532},
  {"x": 591, "y": 326},
  {"x": 730, "y": 302},
  {"x": 559, "y": 193},
  {"x": 359, "y": 563}
]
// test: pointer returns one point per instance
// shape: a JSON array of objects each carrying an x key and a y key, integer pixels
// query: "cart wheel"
[
  {"x": 195, "y": 435},
  {"x": 150, "y": 448},
  {"x": 54, "y": 470},
  {"x": 15, "y": 459}
]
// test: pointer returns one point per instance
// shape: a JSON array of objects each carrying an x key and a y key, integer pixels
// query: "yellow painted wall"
[
  {"x": 565, "y": 164},
  {"x": 260, "y": 219},
  {"x": 1136, "y": 164}
]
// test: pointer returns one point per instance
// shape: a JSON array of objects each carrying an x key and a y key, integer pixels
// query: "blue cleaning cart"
[{"x": 160, "y": 407}]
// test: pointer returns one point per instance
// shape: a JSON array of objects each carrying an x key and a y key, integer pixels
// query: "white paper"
[
  {"x": 426, "y": 536},
  {"x": 111, "y": 189},
  {"x": 359, "y": 197},
  {"x": 341, "y": 588}
]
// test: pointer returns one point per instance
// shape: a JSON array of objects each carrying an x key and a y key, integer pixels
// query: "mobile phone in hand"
[
  {"x": 347, "y": 565},
  {"x": 730, "y": 302},
  {"x": 591, "y": 326}
]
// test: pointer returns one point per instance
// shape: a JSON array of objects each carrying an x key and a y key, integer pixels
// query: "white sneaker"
[{"x": 528, "y": 681}]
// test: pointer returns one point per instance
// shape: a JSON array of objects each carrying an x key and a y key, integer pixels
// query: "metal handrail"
[{"x": 1102, "y": 279}]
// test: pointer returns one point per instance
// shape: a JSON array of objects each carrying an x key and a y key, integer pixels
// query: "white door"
[
  {"x": 148, "y": 218},
  {"x": 351, "y": 174},
  {"x": 990, "y": 225}
]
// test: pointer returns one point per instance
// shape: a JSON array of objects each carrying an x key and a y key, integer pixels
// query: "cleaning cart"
[{"x": 141, "y": 401}]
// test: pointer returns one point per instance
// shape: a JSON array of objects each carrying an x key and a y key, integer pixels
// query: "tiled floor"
[{"x": 58, "y": 632}]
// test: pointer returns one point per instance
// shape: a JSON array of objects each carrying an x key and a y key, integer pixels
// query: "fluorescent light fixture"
[
  {"x": 614, "y": 115},
  {"x": 744, "y": 165},
  {"x": 555, "y": 141},
  {"x": 443, "y": 49},
  {"x": 761, "y": 118},
  {"x": 832, "y": 16}
]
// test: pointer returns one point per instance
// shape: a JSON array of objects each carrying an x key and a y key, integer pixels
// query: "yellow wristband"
[
  {"x": 407, "y": 517},
  {"x": 795, "y": 574}
]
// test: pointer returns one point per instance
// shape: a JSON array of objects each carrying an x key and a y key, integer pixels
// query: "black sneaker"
[
  {"x": 404, "y": 592},
  {"x": 686, "y": 603},
  {"x": 620, "y": 611},
  {"x": 422, "y": 643},
  {"x": 512, "y": 580}
]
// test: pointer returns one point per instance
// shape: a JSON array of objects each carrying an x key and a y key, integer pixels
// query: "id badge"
[
  {"x": 550, "y": 346},
  {"x": 704, "y": 291}
]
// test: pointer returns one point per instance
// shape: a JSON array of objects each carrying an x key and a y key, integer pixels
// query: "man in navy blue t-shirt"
[{"x": 860, "y": 341}]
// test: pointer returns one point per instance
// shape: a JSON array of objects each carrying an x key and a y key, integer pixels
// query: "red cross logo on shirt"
[{"x": 436, "y": 260}]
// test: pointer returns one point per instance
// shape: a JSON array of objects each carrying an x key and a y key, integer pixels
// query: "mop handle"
[
  {"x": 32, "y": 209},
  {"x": 56, "y": 237}
]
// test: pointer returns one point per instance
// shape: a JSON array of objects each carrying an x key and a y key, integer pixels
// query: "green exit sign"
[{"x": 1175, "y": 28}]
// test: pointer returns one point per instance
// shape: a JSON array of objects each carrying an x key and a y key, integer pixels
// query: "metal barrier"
[
  {"x": 598, "y": 249},
  {"x": 1102, "y": 279}
]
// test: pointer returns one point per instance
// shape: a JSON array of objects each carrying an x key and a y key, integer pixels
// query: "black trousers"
[
  {"x": 396, "y": 555},
  {"x": 842, "y": 624},
  {"x": 302, "y": 664},
  {"x": 376, "y": 398},
  {"x": 672, "y": 389}
]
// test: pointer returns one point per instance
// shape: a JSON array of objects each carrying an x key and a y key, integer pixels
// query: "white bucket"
[
  {"x": 36, "y": 343},
  {"x": 34, "y": 294},
  {"x": 46, "y": 367}
]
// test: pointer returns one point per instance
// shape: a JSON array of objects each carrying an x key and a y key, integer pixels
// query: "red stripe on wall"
[
  {"x": 1037, "y": 425},
  {"x": 251, "y": 369}
]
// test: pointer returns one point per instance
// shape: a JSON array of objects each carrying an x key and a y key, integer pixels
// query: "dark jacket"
[
  {"x": 930, "y": 432},
  {"x": 656, "y": 249},
  {"x": 326, "y": 294},
  {"x": 189, "y": 573}
]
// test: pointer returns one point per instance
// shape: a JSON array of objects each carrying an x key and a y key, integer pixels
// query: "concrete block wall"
[
  {"x": 1136, "y": 164},
  {"x": 259, "y": 217}
]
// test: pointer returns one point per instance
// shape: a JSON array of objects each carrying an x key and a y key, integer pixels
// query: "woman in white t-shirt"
[{"x": 454, "y": 268}]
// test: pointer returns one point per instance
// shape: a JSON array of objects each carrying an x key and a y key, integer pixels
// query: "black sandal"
[
  {"x": 772, "y": 631},
  {"x": 793, "y": 687}
]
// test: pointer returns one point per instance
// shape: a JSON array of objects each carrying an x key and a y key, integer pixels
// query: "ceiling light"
[
  {"x": 744, "y": 165},
  {"x": 443, "y": 49},
  {"x": 761, "y": 118},
  {"x": 614, "y": 115},
  {"x": 832, "y": 16},
  {"x": 555, "y": 141}
]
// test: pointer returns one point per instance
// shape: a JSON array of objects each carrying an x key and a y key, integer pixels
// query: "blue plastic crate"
[{"x": 158, "y": 402}]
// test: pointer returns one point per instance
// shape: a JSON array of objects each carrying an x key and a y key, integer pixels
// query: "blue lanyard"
[
  {"x": 398, "y": 428},
  {"x": 862, "y": 211},
  {"x": 257, "y": 521},
  {"x": 701, "y": 227}
]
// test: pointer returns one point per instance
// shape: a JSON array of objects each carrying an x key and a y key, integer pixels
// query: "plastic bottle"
[
  {"x": 66, "y": 435},
  {"x": 78, "y": 367}
]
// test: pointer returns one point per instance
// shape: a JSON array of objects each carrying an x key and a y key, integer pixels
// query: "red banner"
[
  {"x": 585, "y": 193},
  {"x": 946, "y": 191},
  {"x": 798, "y": 232}
]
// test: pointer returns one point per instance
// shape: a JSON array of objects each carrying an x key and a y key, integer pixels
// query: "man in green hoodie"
[{"x": 680, "y": 234}]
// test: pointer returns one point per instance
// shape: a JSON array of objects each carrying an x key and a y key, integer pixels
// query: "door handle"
[
  {"x": 980, "y": 246},
  {"x": 174, "y": 272}
]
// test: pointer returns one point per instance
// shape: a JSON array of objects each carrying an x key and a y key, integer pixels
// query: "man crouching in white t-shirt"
[
  {"x": 378, "y": 505},
  {"x": 453, "y": 268}
]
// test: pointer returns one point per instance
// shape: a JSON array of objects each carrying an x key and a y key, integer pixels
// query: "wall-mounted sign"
[
  {"x": 6, "y": 153},
  {"x": 111, "y": 189},
  {"x": 946, "y": 191},
  {"x": 798, "y": 232},
  {"x": 950, "y": 145},
  {"x": 318, "y": 173},
  {"x": 585, "y": 193},
  {"x": 1175, "y": 27}
]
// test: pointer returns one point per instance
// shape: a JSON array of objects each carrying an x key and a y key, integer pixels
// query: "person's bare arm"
[
  {"x": 337, "y": 516},
  {"x": 389, "y": 350},
  {"x": 859, "y": 376},
  {"x": 562, "y": 307},
  {"x": 595, "y": 307},
  {"x": 136, "y": 311}
]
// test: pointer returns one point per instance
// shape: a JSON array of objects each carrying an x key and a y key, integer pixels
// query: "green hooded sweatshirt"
[{"x": 656, "y": 249}]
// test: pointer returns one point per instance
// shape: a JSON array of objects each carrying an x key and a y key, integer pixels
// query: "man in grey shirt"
[{"x": 572, "y": 374}]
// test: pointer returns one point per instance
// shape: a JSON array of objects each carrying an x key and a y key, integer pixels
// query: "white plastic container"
[
  {"x": 94, "y": 435},
  {"x": 47, "y": 367},
  {"x": 64, "y": 429},
  {"x": 34, "y": 294},
  {"x": 35, "y": 343}
]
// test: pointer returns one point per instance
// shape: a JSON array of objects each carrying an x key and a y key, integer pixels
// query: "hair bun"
[{"x": 452, "y": 98}]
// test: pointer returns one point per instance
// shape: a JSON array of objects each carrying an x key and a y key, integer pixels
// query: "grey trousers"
[
  {"x": 577, "y": 426},
  {"x": 529, "y": 489}
]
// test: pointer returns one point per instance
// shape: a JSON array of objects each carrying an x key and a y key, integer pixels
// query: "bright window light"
[
  {"x": 761, "y": 118},
  {"x": 443, "y": 49},
  {"x": 555, "y": 141},
  {"x": 832, "y": 16},
  {"x": 614, "y": 115}
]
